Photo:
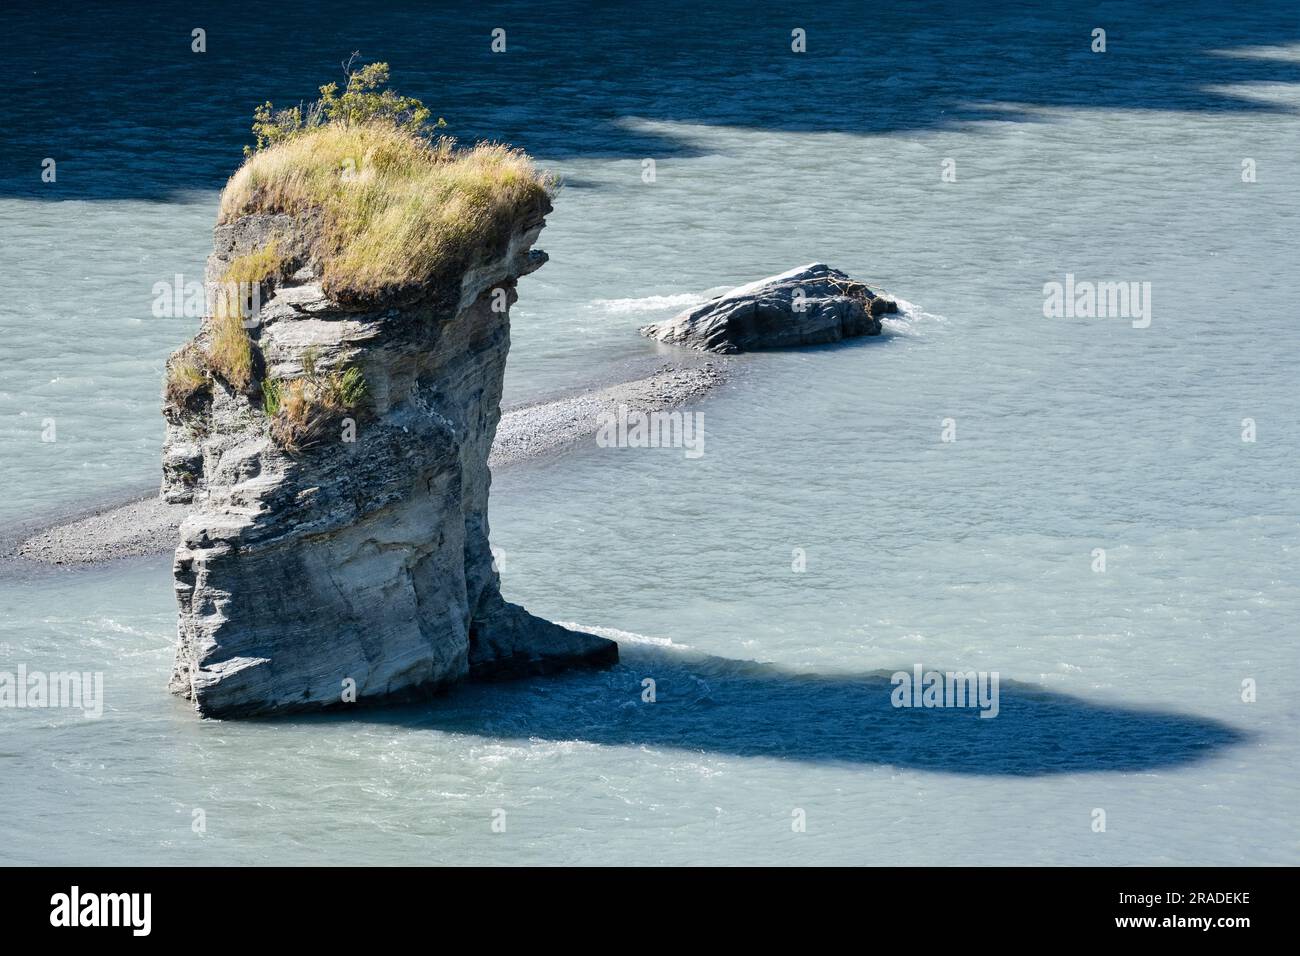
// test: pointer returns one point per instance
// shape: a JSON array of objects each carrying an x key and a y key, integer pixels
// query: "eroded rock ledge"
[{"x": 310, "y": 576}]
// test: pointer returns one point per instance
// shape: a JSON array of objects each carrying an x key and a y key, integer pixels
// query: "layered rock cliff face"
[
  {"x": 349, "y": 559},
  {"x": 809, "y": 305}
]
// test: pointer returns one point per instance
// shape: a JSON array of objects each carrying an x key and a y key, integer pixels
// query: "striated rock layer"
[
  {"x": 809, "y": 305},
  {"x": 352, "y": 569}
]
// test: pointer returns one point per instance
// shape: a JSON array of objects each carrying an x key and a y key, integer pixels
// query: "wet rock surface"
[{"x": 809, "y": 305}]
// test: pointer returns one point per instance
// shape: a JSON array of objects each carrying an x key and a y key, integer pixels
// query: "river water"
[{"x": 827, "y": 537}]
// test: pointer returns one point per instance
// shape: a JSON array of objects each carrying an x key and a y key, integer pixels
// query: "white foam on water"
[
  {"x": 909, "y": 314},
  {"x": 623, "y": 637},
  {"x": 649, "y": 303}
]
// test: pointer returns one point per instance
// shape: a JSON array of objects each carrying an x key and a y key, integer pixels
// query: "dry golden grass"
[
  {"x": 186, "y": 377},
  {"x": 254, "y": 267},
  {"x": 303, "y": 409},
  {"x": 229, "y": 350},
  {"x": 397, "y": 209}
]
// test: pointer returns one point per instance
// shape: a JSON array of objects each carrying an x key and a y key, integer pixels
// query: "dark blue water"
[{"x": 116, "y": 95}]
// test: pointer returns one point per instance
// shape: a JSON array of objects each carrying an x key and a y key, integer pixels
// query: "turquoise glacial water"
[{"x": 1121, "y": 690}]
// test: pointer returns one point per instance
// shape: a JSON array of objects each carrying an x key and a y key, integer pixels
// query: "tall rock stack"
[{"x": 337, "y": 550}]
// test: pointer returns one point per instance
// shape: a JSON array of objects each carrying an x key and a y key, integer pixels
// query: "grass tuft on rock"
[
  {"x": 270, "y": 397},
  {"x": 303, "y": 409},
  {"x": 187, "y": 381},
  {"x": 230, "y": 351},
  {"x": 254, "y": 268},
  {"x": 397, "y": 209}
]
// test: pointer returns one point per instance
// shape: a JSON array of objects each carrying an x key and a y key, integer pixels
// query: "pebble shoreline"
[{"x": 148, "y": 525}]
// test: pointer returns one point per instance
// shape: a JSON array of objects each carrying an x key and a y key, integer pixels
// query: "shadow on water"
[
  {"x": 118, "y": 98},
  {"x": 716, "y": 705}
]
